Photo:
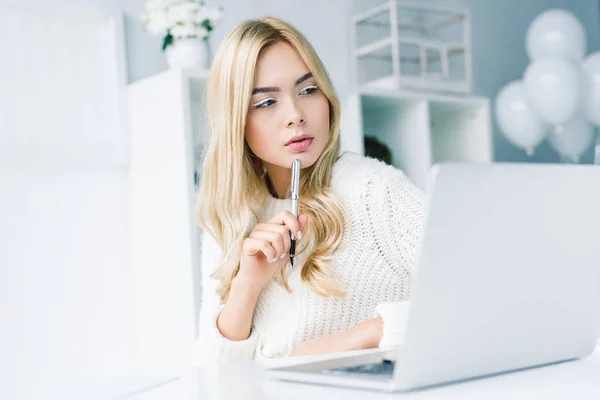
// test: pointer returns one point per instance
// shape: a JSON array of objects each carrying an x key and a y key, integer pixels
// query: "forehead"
[{"x": 279, "y": 64}]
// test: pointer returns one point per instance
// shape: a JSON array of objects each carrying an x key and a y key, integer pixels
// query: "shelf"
[
  {"x": 431, "y": 46},
  {"x": 372, "y": 47},
  {"x": 420, "y": 129},
  {"x": 394, "y": 121},
  {"x": 458, "y": 131}
]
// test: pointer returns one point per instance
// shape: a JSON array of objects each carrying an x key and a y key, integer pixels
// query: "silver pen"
[{"x": 295, "y": 195}]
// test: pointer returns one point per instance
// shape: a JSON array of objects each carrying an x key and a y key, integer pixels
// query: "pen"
[{"x": 295, "y": 193}]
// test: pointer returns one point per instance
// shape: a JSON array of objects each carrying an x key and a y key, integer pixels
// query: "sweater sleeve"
[
  {"x": 211, "y": 346},
  {"x": 394, "y": 316}
]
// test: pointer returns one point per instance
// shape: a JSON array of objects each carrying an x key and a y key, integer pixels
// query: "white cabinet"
[
  {"x": 419, "y": 129},
  {"x": 164, "y": 122}
]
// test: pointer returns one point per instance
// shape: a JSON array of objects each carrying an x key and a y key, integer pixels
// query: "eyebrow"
[{"x": 276, "y": 89}]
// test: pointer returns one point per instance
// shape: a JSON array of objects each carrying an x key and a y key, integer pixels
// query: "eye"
[
  {"x": 264, "y": 104},
  {"x": 309, "y": 90}
]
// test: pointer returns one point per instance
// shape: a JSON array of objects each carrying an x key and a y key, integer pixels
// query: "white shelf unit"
[
  {"x": 419, "y": 129},
  {"x": 165, "y": 125},
  {"x": 401, "y": 44}
]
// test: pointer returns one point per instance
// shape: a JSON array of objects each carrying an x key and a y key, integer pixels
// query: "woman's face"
[{"x": 286, "y": 103}]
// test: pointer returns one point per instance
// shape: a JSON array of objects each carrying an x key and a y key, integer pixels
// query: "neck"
[{"x": 278, "y": 180}]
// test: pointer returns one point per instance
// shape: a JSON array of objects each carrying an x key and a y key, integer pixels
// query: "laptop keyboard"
[{"x": 384, "y": 369}]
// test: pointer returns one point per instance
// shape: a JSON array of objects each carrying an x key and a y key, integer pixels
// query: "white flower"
[
  {"x": 183, "y": 18},
  {"x": 183, "y": 12},
  {"x": 171, "y": 3},
  {"x": 158, "y": 22},
  {"x": 182, "y": 31},
  {"x": 202, "y": 14},
  {"x": 201, "y": 32},
  {"x": 215, "y": 14}
]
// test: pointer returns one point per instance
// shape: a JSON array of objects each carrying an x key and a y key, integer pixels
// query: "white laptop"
[{"x": 508, "y": 277}]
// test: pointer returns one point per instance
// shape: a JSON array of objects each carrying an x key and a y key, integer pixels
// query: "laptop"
[{"x": 507, "y": 278}]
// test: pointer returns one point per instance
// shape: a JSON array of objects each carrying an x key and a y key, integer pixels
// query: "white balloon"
[
  {"x": 574, "y": 139},
  {"x": 556, "y": 33},
  {"x": 517, "y": 119},
  {"x": 591, "y": 87},
  {"x": 553, "y": 87}
]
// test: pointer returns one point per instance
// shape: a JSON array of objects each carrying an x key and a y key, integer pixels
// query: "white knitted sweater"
[{"x": 383, "y": 224}]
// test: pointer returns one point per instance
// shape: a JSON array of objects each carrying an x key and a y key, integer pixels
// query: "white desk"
[{"x": 578, "y": 379}]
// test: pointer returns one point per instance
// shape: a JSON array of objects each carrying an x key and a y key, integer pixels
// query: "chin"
[{"x": 307, "y": 158}]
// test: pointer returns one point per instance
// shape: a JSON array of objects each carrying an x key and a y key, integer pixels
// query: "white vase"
[{"x": 189, "y": 53}]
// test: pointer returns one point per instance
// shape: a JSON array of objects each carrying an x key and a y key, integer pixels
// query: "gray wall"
[{"x": 499, "y": 54}]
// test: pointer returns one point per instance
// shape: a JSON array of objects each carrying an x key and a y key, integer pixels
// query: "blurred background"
[{"x": 102, "y": 130}]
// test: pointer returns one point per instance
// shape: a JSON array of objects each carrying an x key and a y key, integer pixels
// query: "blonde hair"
[{"x": 232, "y": 182}]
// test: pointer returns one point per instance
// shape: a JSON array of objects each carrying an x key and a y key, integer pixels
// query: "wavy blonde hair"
[{"x": 233, "y": 183}]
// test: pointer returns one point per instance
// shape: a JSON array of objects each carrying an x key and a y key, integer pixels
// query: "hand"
[
  {"x": 266, "y": 250},
  {"x": 372, "y": 332},
  {"x": 365, "y": 335}
]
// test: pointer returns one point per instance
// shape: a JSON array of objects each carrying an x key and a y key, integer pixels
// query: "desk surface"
[{"x": 578, "y": 379}]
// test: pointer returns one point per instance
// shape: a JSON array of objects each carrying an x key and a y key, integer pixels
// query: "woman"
[{"x": 270, "y": 101}]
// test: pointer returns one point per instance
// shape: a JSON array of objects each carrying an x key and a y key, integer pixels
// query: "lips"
[
  {"x": 300, "y": 146},
  {"x": 298, "y": 138}
]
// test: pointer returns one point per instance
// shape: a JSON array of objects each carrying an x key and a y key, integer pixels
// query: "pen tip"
[{"x": 292, "y": 261}]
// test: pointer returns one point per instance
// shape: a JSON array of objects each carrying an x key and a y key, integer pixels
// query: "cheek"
[
  {"x": 321, "y": 112},
  {"x": 253, "y": 132},
  {"x": 257, "y": 133}
]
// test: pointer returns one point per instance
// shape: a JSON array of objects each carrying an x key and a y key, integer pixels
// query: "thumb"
[{"x": 303, "y": 220}]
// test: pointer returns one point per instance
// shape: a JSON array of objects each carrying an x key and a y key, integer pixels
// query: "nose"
[{"x": 294, "y": 115}]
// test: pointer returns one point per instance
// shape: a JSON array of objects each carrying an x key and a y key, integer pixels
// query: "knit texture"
[{"x": 384, "y": 217}]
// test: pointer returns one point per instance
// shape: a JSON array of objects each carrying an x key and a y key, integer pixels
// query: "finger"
[
  {"x": 281, "y": 229},
  {"x": 275, "y": 238},
  {"x": 272, "y": 227},
  {"x": 287, "y": 218},
  {"x": 254, "y": 246}
]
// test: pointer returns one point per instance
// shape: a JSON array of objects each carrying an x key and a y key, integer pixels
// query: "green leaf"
[
  {"x": 167, "y": 41},
  {"x": 206, "y": 23}
]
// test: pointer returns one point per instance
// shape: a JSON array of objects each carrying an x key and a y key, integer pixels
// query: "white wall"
[
  {"x": 64, "y": 284},
  {"x": 65, "y": 298}
]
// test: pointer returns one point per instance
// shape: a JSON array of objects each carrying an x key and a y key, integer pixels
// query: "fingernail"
[
  {"x": 283, "y": 255},
  {"x": 299, "y": 235},
  {"x": 273, "y": 260}
]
